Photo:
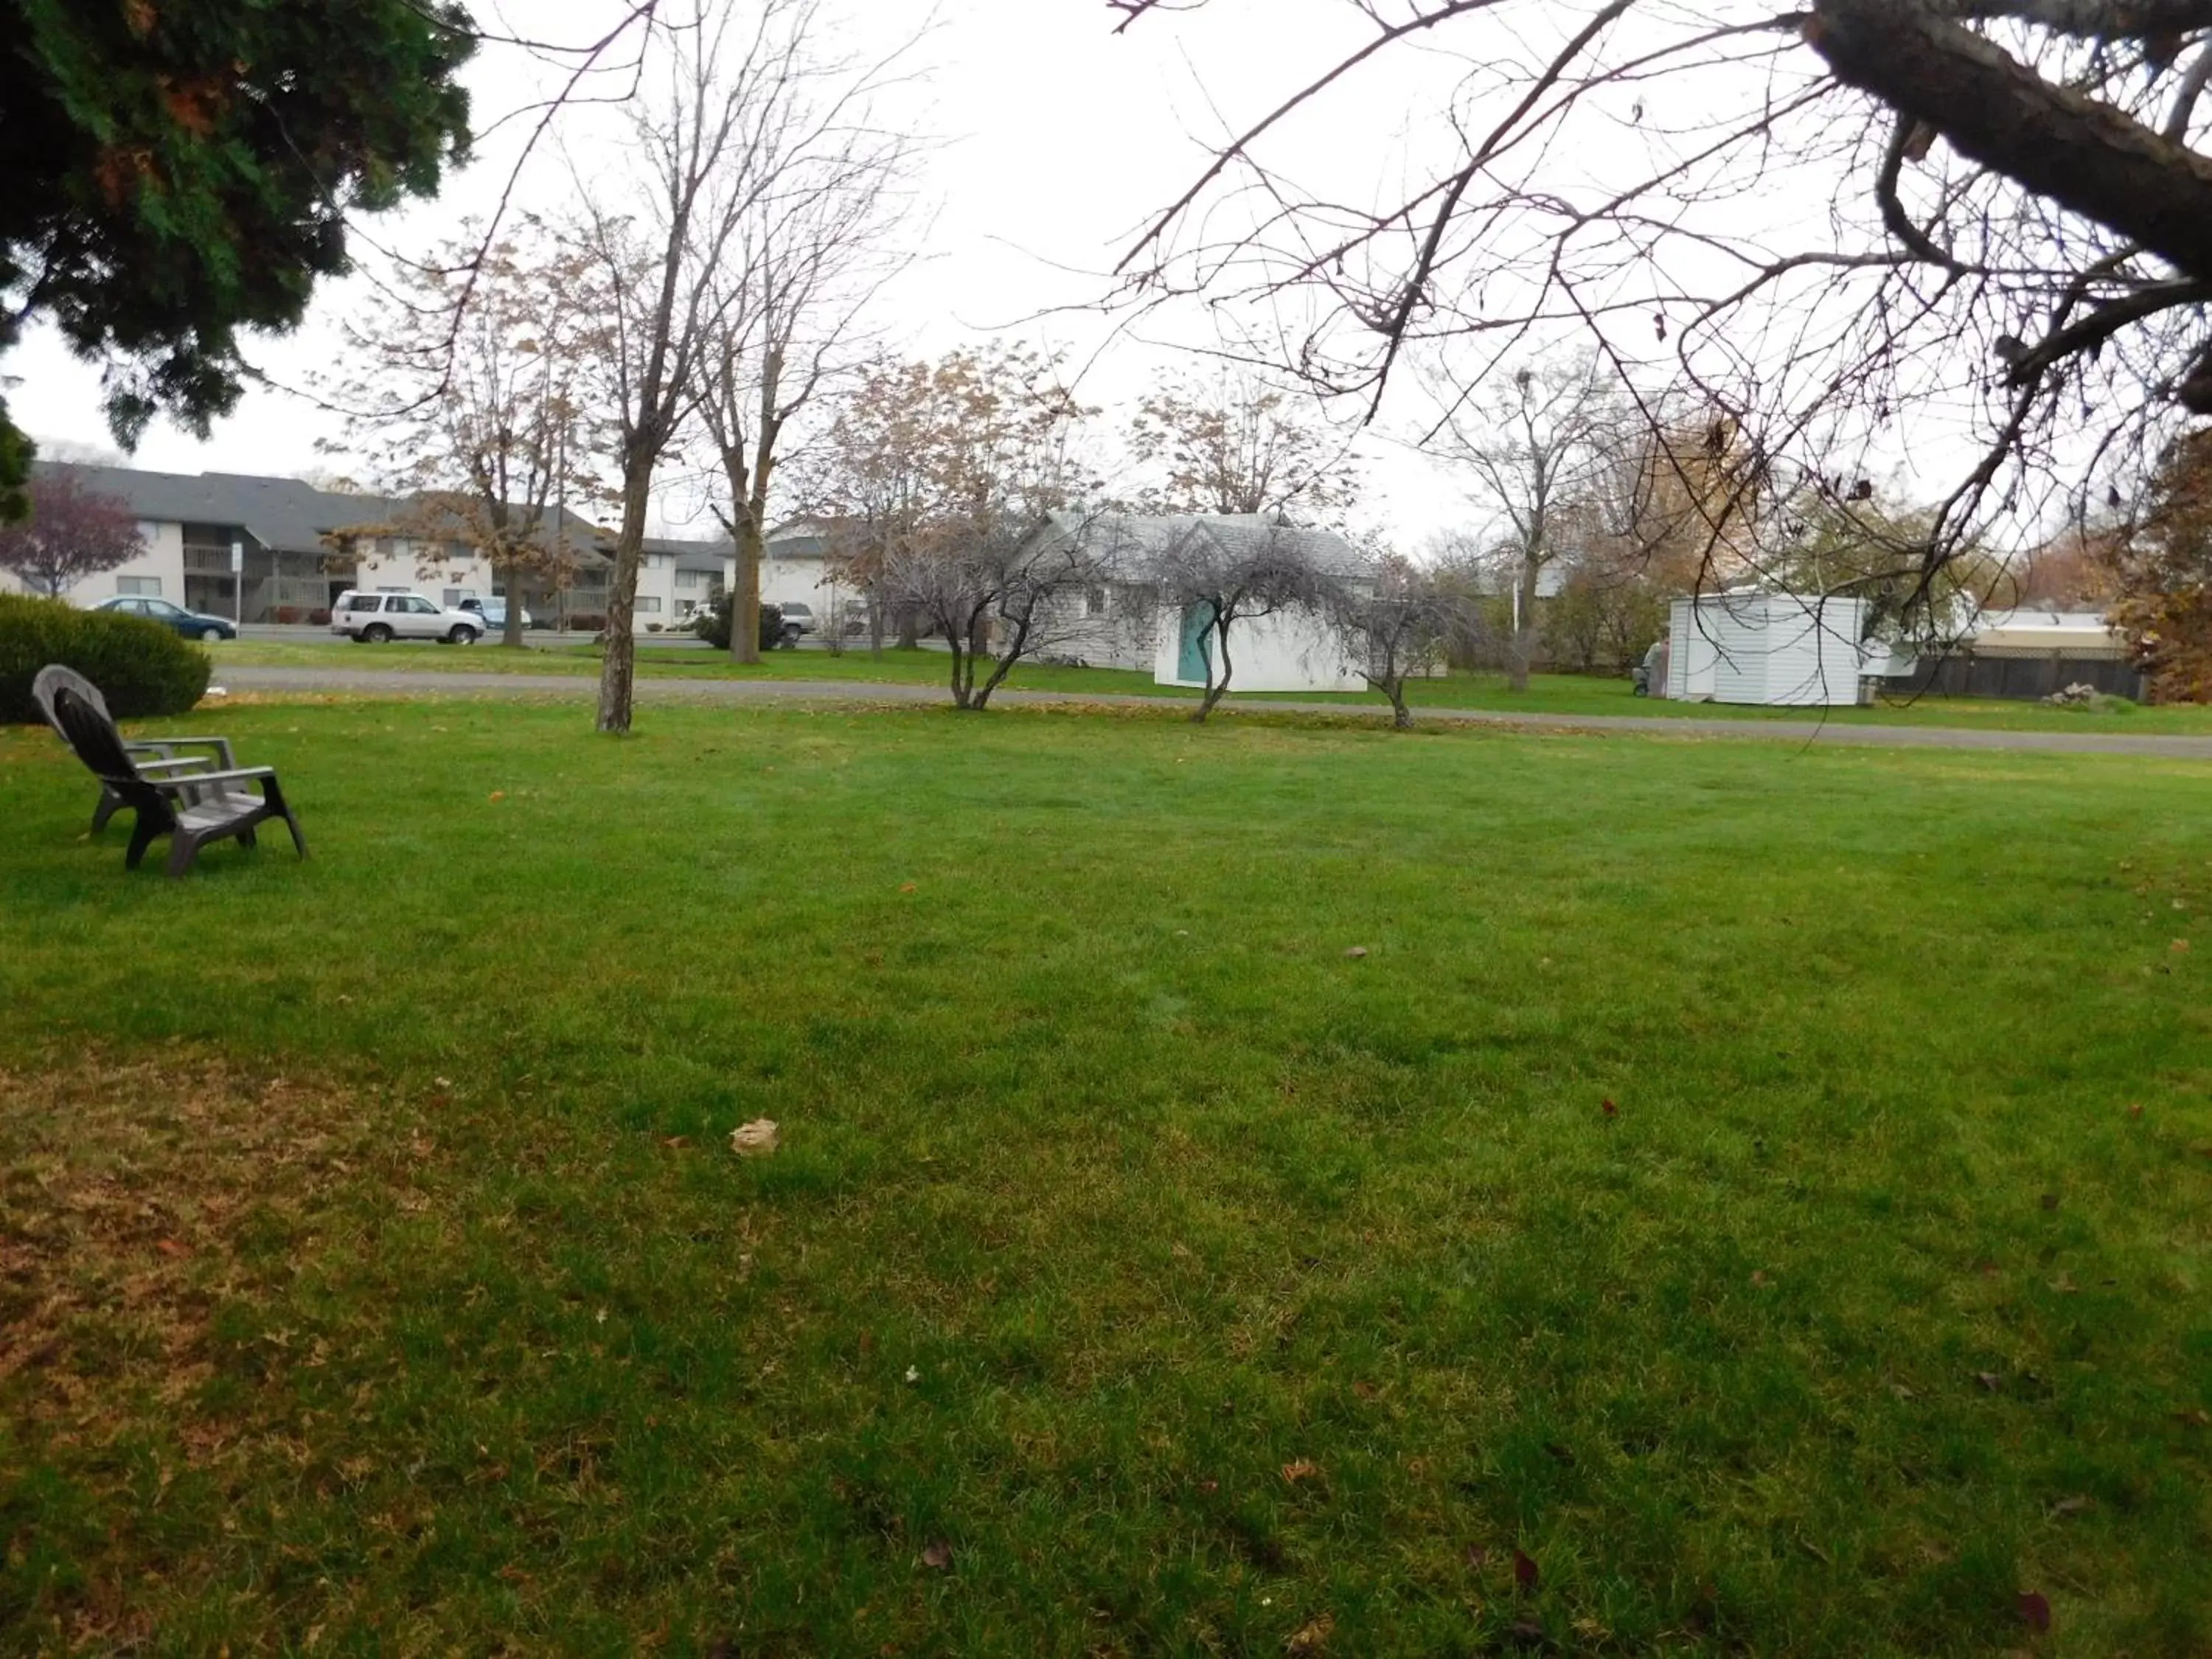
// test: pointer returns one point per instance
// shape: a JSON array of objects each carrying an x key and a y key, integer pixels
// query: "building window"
[
  {"x": 455, "y": 595},
  {"x": 690, "y": 578},
  {"x": 1094, "y": 601},
  {"x": 648, "y": 605},
  {"x": 148, "y": 587}
]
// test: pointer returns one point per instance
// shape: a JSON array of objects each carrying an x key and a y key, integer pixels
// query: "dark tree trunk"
[{"x": 618, "y": 668}]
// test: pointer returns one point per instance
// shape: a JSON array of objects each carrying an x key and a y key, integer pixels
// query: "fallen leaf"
[
  {"x": 1524, "y": 1569},
  {"x": 1301, "y": 1470},
  {"x": 2135, "y": 1111},
  {"x": 2179, "y": 945},
  {"x": 677, "y": 1141},
  {"x": 1477, "y": 1557},
  {"x": 1758, "y": 1278},
  {"x": 1366, "y": 1390},
  {"x": 499, "y": 794},
  {"x": 2196, "y": 1417},
  {"x": 1989, "y": 1380},
  {"x": 1357, "y": 951},
  {"x": 937, "y": 1554},
  {"x": 910, "y": 887},
  {"x": 171, "y": 1247},
  {"x": 1311, "y": 1637},
  {"x": 2050, "y": 1201},
  {"x": 754, "y": 1139},
  {"x": 2034, "y": 1610},
  {"x": 1209, "y": 1488},
  {"x": 1526, "y": 1634},
  {"x": 2072, "y": 1505},
  {"x": 1608, "y": 1108}
]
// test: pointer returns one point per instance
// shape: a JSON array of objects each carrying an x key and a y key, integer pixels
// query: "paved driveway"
[{"x": 651, "y": 689}]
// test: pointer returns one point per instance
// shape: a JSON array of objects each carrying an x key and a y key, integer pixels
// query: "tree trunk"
[
  {"x": 1402, "y": 718},
  {"x": 1524, "y": 634},
  {"x": 1215, "y": 688},
  {"x": 909, "y": 637},
  {"x": 510, "y": 632},
  {"x": 744, "y": 594},
  {"x": 618, "y": 668}
]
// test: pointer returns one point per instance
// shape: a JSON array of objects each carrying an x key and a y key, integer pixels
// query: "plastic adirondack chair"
[
  {"x": 191, "y": 808},
  {"x": 149, "y": 755}
]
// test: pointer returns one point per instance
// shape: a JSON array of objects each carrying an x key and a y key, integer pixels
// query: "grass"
[
  {"x": 1549, "y": 694},
  {"x": 1140, "y": 1273}
]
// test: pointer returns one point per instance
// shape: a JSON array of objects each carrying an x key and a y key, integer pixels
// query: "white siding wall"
[
  {"x": 1292, "y": 652},
  {"x": 1776, "y": 649},
  {"x": 160, "y": 560}
]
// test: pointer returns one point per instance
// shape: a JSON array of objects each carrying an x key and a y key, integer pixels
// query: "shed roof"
[{"x": 1135, "y": 539}]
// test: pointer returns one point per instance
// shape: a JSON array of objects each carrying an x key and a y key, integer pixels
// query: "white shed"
[{"x": 1792, "y": 649}]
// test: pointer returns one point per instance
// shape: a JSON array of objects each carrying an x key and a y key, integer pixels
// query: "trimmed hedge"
[{"x": 139, "y": 666}]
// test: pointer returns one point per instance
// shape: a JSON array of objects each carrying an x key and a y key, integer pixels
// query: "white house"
[{"x": 1124, "y": 624}]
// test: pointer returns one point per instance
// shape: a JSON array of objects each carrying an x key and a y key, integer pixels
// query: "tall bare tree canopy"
[
  {"x": 1828, "y": 220},
  {"x": 1236, "y": 444},
  {"x": 726, "y": 107}
]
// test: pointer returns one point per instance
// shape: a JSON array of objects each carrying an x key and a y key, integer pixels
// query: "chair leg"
[
  {"x": 183, "y": 849},
  {"x": 246, "y": 838},
  {"x": 142, "y": 833},
  {"x": 273, "y": 793},
  {"x": 110, "y": 804}
]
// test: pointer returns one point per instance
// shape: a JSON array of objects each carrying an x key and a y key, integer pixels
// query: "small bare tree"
[
  {"x": 942, "y": 475},
  {"x": 1535, "y": 446},
  {"x": 473, "y": 414},
  {"x": 1219, "y": 572},
  {"x": 1401, "y": 628}
]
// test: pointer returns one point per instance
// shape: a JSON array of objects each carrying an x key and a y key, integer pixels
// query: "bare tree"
[
  {"x": 1848, "y": 224},
  {"x": 705, "y": 142},
  {"x": 808, "y": 255},
  {"x": 483, "y": 432},
  {"x": 1536, "y": 446},
  {"x": 1401, "y": 628},
  {"x": 1236, "y": 444},
  {"x": 72, "y": 532},
  {"x": 1219, "y": 572},
  {"x": 943, "y": 475}
]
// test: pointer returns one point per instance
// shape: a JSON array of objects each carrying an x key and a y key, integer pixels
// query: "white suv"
[{"x": 376, "y": 617}]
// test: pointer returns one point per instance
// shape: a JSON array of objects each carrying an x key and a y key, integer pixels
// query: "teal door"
[{"x": 1197, "y": 649}]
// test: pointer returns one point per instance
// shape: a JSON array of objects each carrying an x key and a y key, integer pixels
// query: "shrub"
[
  {"x": 139, "y": 666},
  {"x": 712, "y": 624}
]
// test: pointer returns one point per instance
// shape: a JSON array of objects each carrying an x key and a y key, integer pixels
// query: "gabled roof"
[
  {"x": 279, "y": 512},
  {"x": 1133, "y": 540},
  {"x": 288, "y": 514}
]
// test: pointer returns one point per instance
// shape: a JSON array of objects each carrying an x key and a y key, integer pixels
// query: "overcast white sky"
[{"x": 1059, "y": 137}]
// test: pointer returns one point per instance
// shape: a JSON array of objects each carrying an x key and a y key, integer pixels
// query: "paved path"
[{"x": 670, "y": 689}]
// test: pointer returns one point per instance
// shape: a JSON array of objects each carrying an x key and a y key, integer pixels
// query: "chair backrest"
[
  {"x": 51, "y": 679},
  {"x": 85, "y": 726}
]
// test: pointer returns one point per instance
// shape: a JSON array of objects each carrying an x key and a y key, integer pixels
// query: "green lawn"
[
  {"x": 1550, "y": 694},
  {"x": 1141, "y": 1274}
]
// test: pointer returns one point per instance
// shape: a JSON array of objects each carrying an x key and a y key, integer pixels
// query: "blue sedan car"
[{"x": 190, "y": 624}]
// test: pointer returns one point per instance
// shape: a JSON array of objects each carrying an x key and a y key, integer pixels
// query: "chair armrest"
[
  {"x": 181, "y": 763},
  {"x": 198, "y": 780},
  {"x": 220, "y": 745}
]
